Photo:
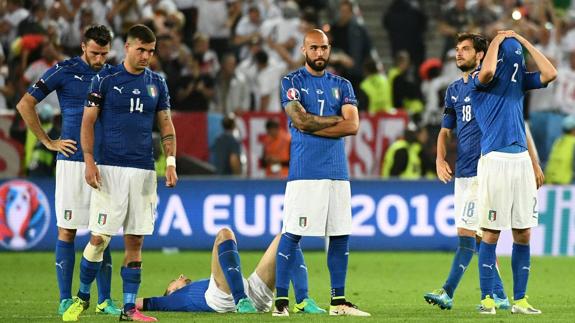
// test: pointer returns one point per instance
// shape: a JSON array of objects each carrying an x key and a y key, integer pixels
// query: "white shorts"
[
  {"x": 254, "y": 287},
  {"x": 317, "y": 208},
  {"x": 72, "y": 196},
  {"x": 126, "y": 199},
  {"x": 507, "y": 192},
  {"x": 466, "y": 203}
]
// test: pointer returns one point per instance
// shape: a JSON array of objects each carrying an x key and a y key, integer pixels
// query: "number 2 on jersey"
[
  {"x": 466, "y": 113},
  {"x": 515, "y": 72}
]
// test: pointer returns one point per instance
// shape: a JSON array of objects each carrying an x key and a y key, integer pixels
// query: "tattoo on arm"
[
  {"x": 169, "y": 137},
  {"x": 309, "y": 122}
]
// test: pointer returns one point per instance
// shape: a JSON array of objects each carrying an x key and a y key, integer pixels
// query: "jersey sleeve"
[
  {"x": 532, "y": 81},
  {"x": 96, "y": 93},
  {"x": 47, "y": 83},
  {"x": 347, "y": 94},
  {"x": 449, "y": 115},
  {"x": 164, "y": 96},
  {"x": 175, "y": 302},
  {"x": 289, "y": 86}
]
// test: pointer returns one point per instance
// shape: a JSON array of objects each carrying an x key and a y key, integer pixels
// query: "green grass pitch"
[{"x": 389, "y": 285}]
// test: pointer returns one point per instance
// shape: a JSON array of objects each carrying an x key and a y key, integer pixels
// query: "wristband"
[{"x": 171, "y": 161}]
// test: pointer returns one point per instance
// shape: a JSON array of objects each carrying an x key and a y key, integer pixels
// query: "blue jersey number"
[{"x": 466, "y": 113}]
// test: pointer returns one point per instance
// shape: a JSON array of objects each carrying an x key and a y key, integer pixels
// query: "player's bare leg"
[
  {"x": 521, "y": 265},
  {"x": 131, "y": 277},
  {"x": 225, "y": 256}
]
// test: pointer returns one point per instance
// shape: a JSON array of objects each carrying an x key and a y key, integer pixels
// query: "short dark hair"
[
  {"x": 100, "y": 34},
  {"x": 261, "y": 57},
  {"x": 479, "y": 42},
  {"x": 272, "y": 124},
  {"x": 141, "y": 32}
]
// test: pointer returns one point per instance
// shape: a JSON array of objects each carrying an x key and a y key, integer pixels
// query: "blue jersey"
[
  {"x": 499, "y": 104},
  {"x": 189, "y": 298},
  {"x": 311, "y": 156},
  {"x": 128, "y": 105},
  {"x": 71, "y": 81},
  {"x": 459, "y": 113}
]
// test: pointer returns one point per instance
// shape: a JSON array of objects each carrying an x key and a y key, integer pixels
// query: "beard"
[
  {"x": 313, "y": 64},
  {"x": 467, "y": 66}
]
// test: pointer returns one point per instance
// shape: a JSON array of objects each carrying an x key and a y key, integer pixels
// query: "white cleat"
[
  {"x": 281, "y": 309},
  {"x": 348, "y": 309}
]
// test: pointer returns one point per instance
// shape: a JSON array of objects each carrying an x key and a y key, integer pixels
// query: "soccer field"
[{"x": 389, "y": 285}]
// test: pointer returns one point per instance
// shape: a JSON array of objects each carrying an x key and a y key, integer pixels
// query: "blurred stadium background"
[{"x": 223, "y": 60}]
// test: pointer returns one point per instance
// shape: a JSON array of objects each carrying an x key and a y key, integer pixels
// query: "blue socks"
[
  {"x": 463, "y": 256},
  {"x": 337, "y": 257},
  {"x": 487, "y": 268},
  {"x": 104, "y": 277},
  {"x": 131, "y": 278},
  {"x": 285, "y": 259},
  {"x": 230, "y": 263},
  {"x": 65, "y": 260},
  {"x": 521, "y": 265},
  {"x": 299, "y": 276},
  {"x": 88, "y": 272}
]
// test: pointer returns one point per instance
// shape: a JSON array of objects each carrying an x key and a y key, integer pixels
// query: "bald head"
[
  {"x": 315, "y": 35},
  {"x": 316, "y": 50}
]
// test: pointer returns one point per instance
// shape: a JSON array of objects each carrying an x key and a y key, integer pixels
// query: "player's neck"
[
  {"x": 130, "y": 69},
  {"x": 465, "y": 76},
  {"x": 314, "y": 72}
]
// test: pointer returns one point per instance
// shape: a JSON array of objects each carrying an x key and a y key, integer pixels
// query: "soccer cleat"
[
  {"x": 281, "y": 306},
  {"x": 487, "y": 306},
  {"x": 135, "y": 315},
  {"x": 108, "y": 307},
  {"x": 64, "y": 304},
  {"x": 347, "y": 309},
  {"x": 440, "y": 298},
  {"x": 501, "y": 303},
  {"x": 73, "y": 312},
  {"x": 523, "y": 307},
  {"x": 246, "y": 305},
  {"x": 308, "y": 305}
]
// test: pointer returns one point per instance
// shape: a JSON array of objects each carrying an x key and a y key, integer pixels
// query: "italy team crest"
[
  {"x": 152, "y": 91},
  {"x": 102, "y": 218},
  {"x": 492, "y": 216},
  {"x": 67, "y": 215}
]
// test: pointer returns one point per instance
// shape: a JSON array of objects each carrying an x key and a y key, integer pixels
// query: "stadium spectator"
[
  {"x": 406, "y": 26},
  {"x": 278, "y": 32},
  {"x": 227, "y": 149},
  {"x": 248, "y": 31},
  {"x": 406, "y": 158},
  {"x": 375, "y": 90},
  {"x": 6, "y": 88},
  {"x": 267, "y": 77},
  {"x": 561, "y": 166},
  {"x": 42, "y": 160},
  {"x": 35, "y": 22},
  {"x": 14, "y": 14},
  {"x": 214, "y": 21},
  {"x": 405, "y": 92},
  {"x": 483, "y": 15},
  {"x": 207, "y": 59},
  {"x": 194, "y": 90},
  {"x": 232, "y": 91},
  {"x": 454, "y": 20},
  {"x": 353, "y": 39},
  {"x": 276, "y": 150}
]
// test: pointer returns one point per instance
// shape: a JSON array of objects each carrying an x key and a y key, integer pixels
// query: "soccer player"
[
  {"x": 322, "y": 109},
  {"x": 71, "y": 81},
  {"x": 470, "y": 50},
  {"x": 226, "y": 290},
  {"x": 126, "y": 99},
  {"x": 508, "y": 174}
]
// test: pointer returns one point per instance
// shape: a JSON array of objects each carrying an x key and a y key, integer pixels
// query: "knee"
[
  {"x": 67, "y": 235},
  {"x": 94, "y": 250},
  {"x": 225, "y": 234},
  {"x": 521, "y": 236}
]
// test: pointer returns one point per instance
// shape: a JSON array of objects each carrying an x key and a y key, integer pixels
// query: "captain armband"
[{"x": 94, "y": 100}]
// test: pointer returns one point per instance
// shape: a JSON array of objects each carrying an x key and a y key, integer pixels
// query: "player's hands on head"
[
  {"x": 92, "y": 175},
  {"x": 65, "y": 146},
  {"x": 539, "y": 175},
  {"x": 171, "y": 176},
  {"x": 444, "y": 172}
]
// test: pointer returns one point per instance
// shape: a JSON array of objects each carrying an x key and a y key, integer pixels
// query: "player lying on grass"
[{"x": 227, "y": 290}]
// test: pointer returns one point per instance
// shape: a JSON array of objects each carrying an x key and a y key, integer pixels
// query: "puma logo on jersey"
[
  {"x": 78, "y": 77},
  {"x": 453, "y": 98},
  {"x": 305, "y": 90},
  {"x": 119, "y": 89}
]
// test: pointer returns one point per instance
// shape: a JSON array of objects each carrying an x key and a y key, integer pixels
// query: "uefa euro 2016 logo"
[{"x": 24, "y": 215}]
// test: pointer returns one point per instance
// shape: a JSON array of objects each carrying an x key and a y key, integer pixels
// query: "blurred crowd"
[{"x": 227, "y": 57}]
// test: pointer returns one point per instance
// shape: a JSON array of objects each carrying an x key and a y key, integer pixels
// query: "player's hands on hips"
[
  {"x": 539, "y": 176},
  {"x": 171, "y": 176},
  {"x": 65, "y": 146},
  {"x": 444, "y": 172},
  {"x": 92, "y": 175}
]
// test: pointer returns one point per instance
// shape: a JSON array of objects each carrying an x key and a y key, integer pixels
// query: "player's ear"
[{"x": 480, "y": 55}]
